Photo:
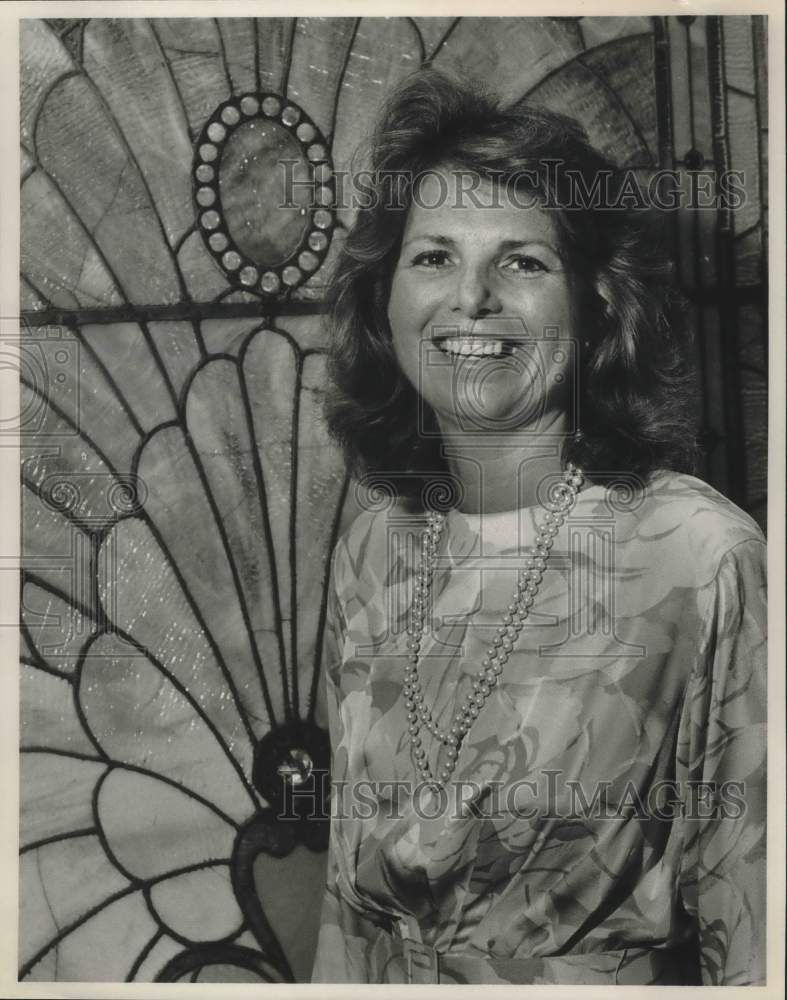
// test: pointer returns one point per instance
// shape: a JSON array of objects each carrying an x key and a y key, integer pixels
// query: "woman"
[{"x": 546, "y": 657}]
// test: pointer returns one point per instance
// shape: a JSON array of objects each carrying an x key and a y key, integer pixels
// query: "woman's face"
[{"x": 482, "y": 310}]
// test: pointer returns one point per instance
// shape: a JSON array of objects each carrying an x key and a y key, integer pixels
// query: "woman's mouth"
[{"x": 474, "y": 347}]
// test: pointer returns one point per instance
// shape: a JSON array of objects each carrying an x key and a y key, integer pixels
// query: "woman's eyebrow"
[
  {"x": 443, "y": 241},
  {"x": 446, "y": 241},
  {"x": 513, "y": 244}
]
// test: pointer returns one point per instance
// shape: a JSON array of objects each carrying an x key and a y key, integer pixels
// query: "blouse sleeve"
[
  {"x": 723, "y": 871},
  {"x": 339, "y": 956}
]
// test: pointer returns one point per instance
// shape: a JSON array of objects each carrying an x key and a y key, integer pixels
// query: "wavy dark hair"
[{"x": 635, "y": 385}]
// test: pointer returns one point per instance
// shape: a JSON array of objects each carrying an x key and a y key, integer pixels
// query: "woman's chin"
[{"x": 480, "y": 416}]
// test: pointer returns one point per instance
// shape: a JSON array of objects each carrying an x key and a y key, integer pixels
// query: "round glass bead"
[
  {"x": 210, "y": 220},
  {"x": 218, "y": 242},
  {"x": 271, "y": 105},
  {"x": 230, "y": 115},
  {"x": 270, "y": 282},
  {"x": 318, "y": 241},
  {"x": 204, "y": 173},
  {"x": 249, "y": 105},
  {"x": 249, "y": 275},
  {"x": 216, "y": 132},
  {"x": 206, "y": 196},
  {"x": 305, "y": 132},
  {"x": 291, "y": 275},
  {"x": 290, "y": 115},
  {"x": 322, "y": 172},
  {"x": 308, "y": 261},
  {"x": 322, "y": 218},
  {"x": 231, "y": 260}
]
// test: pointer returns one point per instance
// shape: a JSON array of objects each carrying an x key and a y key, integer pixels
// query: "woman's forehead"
[{"x": 454, "y": 201}]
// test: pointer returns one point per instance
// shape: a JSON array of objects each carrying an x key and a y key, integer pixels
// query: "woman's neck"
[
  {"x": 502, "y": 476},
  {"x": 504, "y": 470}
]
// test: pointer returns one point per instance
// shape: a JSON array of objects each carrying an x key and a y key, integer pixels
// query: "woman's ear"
[{"x": 603, "y": 291}]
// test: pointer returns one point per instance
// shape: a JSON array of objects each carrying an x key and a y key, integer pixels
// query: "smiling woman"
[
  {"x": 481, "y": 283},
  {"x": 545, "y": 655}
]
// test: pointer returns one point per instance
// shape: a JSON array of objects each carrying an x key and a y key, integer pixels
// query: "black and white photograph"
[{"x": 393, "y": 435}]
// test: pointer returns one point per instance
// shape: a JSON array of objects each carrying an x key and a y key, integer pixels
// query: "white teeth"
[{"x": 470, "y": 346}]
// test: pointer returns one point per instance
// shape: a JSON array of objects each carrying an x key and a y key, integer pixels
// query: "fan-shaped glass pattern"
[{"x": 180, "y": 494}]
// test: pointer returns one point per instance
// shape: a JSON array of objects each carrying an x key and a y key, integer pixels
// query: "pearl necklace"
[{"x": 528, "y": 582}]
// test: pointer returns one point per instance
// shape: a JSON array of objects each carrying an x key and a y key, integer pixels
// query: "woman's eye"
[
  {"x": 522, "y": 264},
  {"x": 431, "y": 258}
]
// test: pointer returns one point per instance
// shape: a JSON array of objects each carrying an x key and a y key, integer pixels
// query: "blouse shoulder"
[
  {"x": 365, "y": 547},
  {"x": 698, "y": 522}
]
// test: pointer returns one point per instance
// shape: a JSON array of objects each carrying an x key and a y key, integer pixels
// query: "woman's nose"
[{"x": 474, "y": 294}]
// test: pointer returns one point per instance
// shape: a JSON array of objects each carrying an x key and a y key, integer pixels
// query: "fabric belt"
[{"x": 413, "y": 961}]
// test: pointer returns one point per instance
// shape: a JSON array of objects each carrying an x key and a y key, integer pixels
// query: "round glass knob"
[{"x": 296, "y": 767}]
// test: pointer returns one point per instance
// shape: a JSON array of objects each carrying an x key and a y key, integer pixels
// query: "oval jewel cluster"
[{"x": 528, "y": 582}]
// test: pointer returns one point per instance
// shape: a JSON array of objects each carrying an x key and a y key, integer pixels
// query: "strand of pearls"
[{"x": 528, "y": 581}]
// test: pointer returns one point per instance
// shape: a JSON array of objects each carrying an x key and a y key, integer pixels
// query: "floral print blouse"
[{"x": 605, "y": 822}]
